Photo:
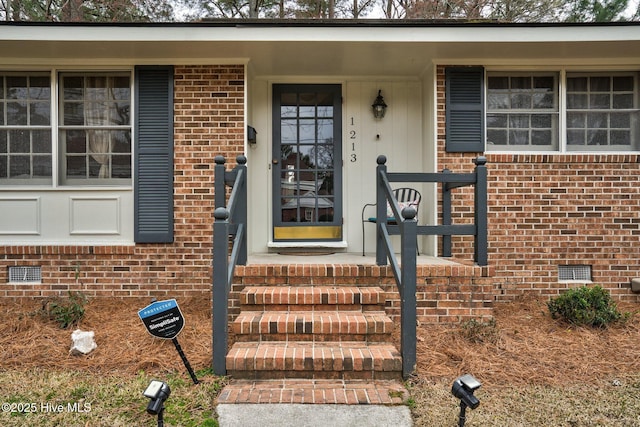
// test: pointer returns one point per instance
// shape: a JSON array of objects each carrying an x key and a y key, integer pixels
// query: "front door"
[{"x": 307, "y": 162}]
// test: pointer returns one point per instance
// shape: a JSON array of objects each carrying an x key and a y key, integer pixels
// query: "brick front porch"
[
  {"x": 447, "y": 290},
  {"x": 319, "y": 328}
]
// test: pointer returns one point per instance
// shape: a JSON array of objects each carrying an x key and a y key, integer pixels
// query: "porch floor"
[{"x": 349, "y": 258}]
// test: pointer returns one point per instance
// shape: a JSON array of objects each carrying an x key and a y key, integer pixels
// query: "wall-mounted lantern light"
[{"x": 379, "y": 106}]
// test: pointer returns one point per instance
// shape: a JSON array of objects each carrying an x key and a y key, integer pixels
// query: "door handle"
[{"x": 274, "y": 161}]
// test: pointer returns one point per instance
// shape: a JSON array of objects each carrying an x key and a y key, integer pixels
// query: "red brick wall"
[
  {"x": 209, "y": 121},
  {"x": 544, "y": 211},
  {"x": 550, "y": 210}
]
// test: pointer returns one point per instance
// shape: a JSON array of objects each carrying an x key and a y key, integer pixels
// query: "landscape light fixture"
[
  {"x": 158, "y": 392},
  {"x": 379, "y": 106},
  {"x": 463, "y": 388}
]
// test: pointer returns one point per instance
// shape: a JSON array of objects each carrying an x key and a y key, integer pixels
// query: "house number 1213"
[{"x": 352, "y": 136}]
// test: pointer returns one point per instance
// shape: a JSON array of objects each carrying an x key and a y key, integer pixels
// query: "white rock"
[{"x": 82, "y": 342}]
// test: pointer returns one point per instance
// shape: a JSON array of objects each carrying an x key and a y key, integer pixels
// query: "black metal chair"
[{"x": 406, "y": 196}]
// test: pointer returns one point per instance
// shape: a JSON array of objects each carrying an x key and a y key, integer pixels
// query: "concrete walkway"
[{"x": 303, "y": 415}]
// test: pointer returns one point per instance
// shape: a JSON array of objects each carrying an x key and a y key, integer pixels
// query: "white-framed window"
[
  {"x": 602, "y": 112},
  {"x": 25, "y": 128},
  {"x": 90, "y": 142},
  {"x": 522, "y": 111},
  {"x": 562, "y": 111},
  {"x": 95, "y": 128}
]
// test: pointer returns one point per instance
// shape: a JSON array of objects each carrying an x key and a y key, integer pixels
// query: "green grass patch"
[
  {"x": 587, "y": 405},
  {"x": 46, "y": 398}
]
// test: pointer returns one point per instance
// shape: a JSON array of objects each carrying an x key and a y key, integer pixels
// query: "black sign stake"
[
  {"x": 163, "y": 319},
  {"x": 185, "y": 361}
]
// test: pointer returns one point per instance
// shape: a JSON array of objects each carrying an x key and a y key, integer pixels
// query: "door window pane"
[
  {"x": 325, "y": 131},
  {"x": 307, "y": 131},
  {"x": 289, "y": 131}
]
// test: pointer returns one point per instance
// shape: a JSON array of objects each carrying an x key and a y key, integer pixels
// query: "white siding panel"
[
  {"x": 94, "y": 215},
  {"x": 398, "y": 136},
  {"x": 75, "y": 217},
  {"x": 20, "y": 215},
  {"x": 259, "y": 164}
]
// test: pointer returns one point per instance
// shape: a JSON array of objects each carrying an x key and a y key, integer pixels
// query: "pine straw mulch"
[
  {"x": 29, "y": 340},
  {"x": 524, "y": 346},
  {"x": 527, "y": 346}
]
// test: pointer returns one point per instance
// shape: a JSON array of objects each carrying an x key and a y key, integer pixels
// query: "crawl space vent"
[
  {"x": 580, "y": 273},
  {"x": 22, "y": 274}
]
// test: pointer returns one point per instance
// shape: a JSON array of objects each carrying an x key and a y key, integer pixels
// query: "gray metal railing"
[
  {"x": 230, "y": 231},
  {"x": 230, "y": 226},
  {"x": 408, "y": 229}
]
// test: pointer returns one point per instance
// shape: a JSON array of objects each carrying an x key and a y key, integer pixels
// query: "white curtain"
[{"x": 96, "y": 113}]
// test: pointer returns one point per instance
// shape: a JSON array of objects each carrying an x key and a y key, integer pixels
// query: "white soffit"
[{"x": 380, "y": 48}]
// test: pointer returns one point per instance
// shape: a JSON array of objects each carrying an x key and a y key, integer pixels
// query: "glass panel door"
[{"x": 307, "y": 162}]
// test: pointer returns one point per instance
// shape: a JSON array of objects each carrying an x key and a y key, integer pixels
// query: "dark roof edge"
[{"x": 377, "y": 23}]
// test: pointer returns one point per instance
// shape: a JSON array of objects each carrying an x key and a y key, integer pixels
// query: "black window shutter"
[
  {"x": 465, "y": 122},
  {"x": 153, "y": 179}
]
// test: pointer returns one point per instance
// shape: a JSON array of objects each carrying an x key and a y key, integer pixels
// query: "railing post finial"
[
  {"x": 221, "y": 214},
  {"x": 241, "y": 159},
  {"x": 409, "y": 212},
  {"x": 381, "y": 160},
  {"x": 480, "y": 161},
  {"x": 219, "y": 159}
]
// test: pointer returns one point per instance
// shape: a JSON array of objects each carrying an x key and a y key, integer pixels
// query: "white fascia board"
[
  {"x": 381, "y": 34},
  {"x": 46, "y": 63}
]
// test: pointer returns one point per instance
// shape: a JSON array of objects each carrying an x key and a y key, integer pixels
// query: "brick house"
[{"x": 108, "y": 135}]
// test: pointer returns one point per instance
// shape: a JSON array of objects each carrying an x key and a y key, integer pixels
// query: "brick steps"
[
  {"x": 303, "y": 297},
  {"x": 324, "y": 344},
  {"x": 370, "y": 326},
  {"x": 339, "y": 392},
  {"x": 349, "y": 360}
]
